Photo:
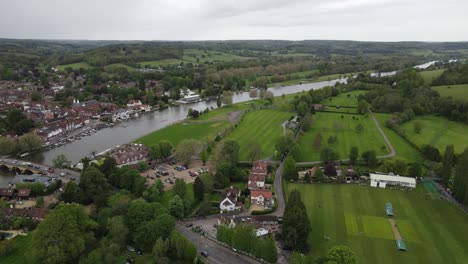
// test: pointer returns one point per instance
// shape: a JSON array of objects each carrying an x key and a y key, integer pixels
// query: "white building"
[
  {"x": 382, "y": 180},
  {"x": 230, "y": 202}
]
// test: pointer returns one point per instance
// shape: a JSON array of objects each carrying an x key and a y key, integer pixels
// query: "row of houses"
[
  {"x": 129, "y": 154},
  {"x": 14, "y": 194},
  {"x": 35, "y": 214},
  {"x": 263, "y": 224}
]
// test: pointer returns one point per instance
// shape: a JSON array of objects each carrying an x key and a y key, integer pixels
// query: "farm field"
[
  {"x": 158, "y": 63},
  {"x": 112, "y": 67},
  {"x": 263, "y": 127},
  {"x": 331, "y": 124},
  {"x": 459, "y": 91},
  {"x": 435, "y": 231},
  {"x": 402, "y": 148},
  {"x": 22, "y": 252},
  {"x": 428, "y": 76},
  {"x": 348, "y": 99},
  {"x": 78, "y": 65},
  {"x": 438, "y": 132}
]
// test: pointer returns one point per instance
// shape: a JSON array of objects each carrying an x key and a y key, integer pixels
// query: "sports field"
[
  {"x": 438, "y": 132},
  {"x": 344, "y": 99},
  {"x": 459, "y": 92},
  {"x": 331, "y": 124},
  {"x": 435, "y": 231},
  {"x": 263, "y": 127}
]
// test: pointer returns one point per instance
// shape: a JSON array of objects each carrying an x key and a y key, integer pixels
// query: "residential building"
[
  {"x": 256, "y": 182},
  {"x": 129, "y": 154},
  {"x": 262, "y": 197},
  {"x": 230, "y": 200},
  {"x": 381, "y": 180}
]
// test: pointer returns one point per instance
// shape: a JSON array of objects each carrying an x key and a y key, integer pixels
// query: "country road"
[
  {"x": 217, "y": 253},
  {"x": 279, "y": 192}
]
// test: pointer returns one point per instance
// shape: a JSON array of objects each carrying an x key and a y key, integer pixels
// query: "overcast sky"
[{"x": 378, "y": 20}]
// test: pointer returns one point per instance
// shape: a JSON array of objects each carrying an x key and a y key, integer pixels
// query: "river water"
[{"x": 132, "y": 129}]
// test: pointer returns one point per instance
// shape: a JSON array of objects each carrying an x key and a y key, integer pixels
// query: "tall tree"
[
  {"x": 186, "y": 149},
  {"x": 71, "y": 193},
  {"x": 180, "y": 188},
  {"x": 63, "y": 235},
  {"x": 165, "y": 147},
  {"x": 61, "y": 161},
  {"x": 460, "y": 185},
  {"x": 176, "y": 207},
  {"x": 353, "y": 155},
  {"x": 447, "y": 163},
  {"x": 328, "y": 154},
  {"x": 289, "y": 169},
  {"x": 198, "y": 189},
  {"x": 94, "y": 185},
  {"x": 228, "y": 153},
  {"x": 341, "y": 255},
  {"x": 255, "y": 151},
  {"x": 296, "y": 226},
  {"x": 370, "y": 158}
]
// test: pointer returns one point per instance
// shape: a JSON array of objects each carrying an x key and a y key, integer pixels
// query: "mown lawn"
[
  {"x": 22, "y": 252},
  {"x": 459, "y": 92},
  {"x": 438, "y": 132},
  {"x": 202, "y": 131},
  {"x": 429, "y": 76},
  {"x": 263, "y": 127},
  {"x": 402, "y": 148},
  {"x": 435, "y": 231},
  {"x": 331, "y": 124},
  {"x": 344, "y": 99}
]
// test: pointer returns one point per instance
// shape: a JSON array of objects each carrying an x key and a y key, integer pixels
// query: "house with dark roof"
[
  {"x": 256, "y": 182},
  {"x": 23, "y": 194},
  {"x": 230, "y": 200},
  {"x": 7, "y": 193},
  {"x": 36, "y": 214}
]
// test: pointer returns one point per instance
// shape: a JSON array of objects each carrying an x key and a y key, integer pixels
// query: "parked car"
[{"x": 189, "y": 225}]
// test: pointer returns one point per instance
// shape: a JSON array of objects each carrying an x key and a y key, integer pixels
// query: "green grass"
[
  {"x": 263, "y": 127},
  {"x": 202, "y": 131},
  {"x": 429, "y": 76},
  {"x": 168, "y": 195},
  {"x": 438, "y": 132},
  {"x": 435, "y": 231},
  {"x": 344, "y": 99},
  {"x": 22, "y": 252},
  {"x": 158, "y": 63},
  {"x": 318, "y": 79},
  {"x": 113, "y": 67},
  {"x": 459, "y": 92},
  {"x": 331, "y": 124},
  {"x": 402, "y": 148},
  {"x": 74, "y": 66}
]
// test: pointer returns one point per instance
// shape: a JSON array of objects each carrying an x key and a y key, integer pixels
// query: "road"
[
  {"x": 279, "y": 192},
  {"x": 64, "y": 174},
  {"x": 217, "y": 254}
]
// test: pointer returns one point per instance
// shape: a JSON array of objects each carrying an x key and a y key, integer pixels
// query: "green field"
[
  {"x": 402, "y": 148},
  {"x": 22, "y": 252},
  {"x": 331, "y": 124},
  {"x": 263, "y": 127},
  {"x": 429, "y": 76},
  {"x": 158, "y": 63},
  {"x": 438, "y": 132},
  {"x": 435, "y": 231},
  {"x": 318, "y": 79},
  {"x": 344, "y": 99},
  {"x": 459, "y": 92},
  {"x": 113, "y": 67},
  {"x": 191, "y": 56},
  {"x": 74, "y": 66}
]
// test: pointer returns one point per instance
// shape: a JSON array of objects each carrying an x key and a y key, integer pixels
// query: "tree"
[
  {"x": 296, "y": 226},
  {"x": 460, "y": 184},
  {"x": 227, "y": 98},
  {"x": 228, "y": 152},
  {"x": 159, "y": 186},
  {"x": 289, "y": 169},
  {"x": 160, "y": 248},
  {"x": 341, "y": 255},
  {"x": 253, "y": 93},
  {"x": 370, "y": 158},
  {"x": 61, "y": 161},
  {"x": 198, "y": 189},
  {"x": 255, "y": 151},
  {"x": 94, "y": 185},
  {"x": 186, "y": 149},
  {"x": 395, "y": 165},
  {"x": 447, "y": 163},
  {"x": 142, "y": 166},
  {"x": 218, "y": 101},
  {"x": 63, "y": 235},
  {"x": 29, "y": 142},
  {"x": 165, "y": 147},
  {"x": 269, "y": 96},
  {"x": 306, "y": 122},
  {"x": 35, "y": 96},
  {"x": 71, "y": 193},
  {"x": 328, "y": 154},
  {"x": 359, "y": 128},
  {"x": 362, "y": 106},
  {"x": 176, "y": 207},
  {"x": 7, "y": 246},
  {"x": 155, "y": 152},
  {"x": 418, "y": 126},
  {"x": 353, "y": 155},
  {"x": 180, "y": 188},
  {"x": 7, "y": 146},
  {"x": 302, "y": 108},
  {"x": 431, "y": 153},
  {"x": 415, "y": 169}
]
